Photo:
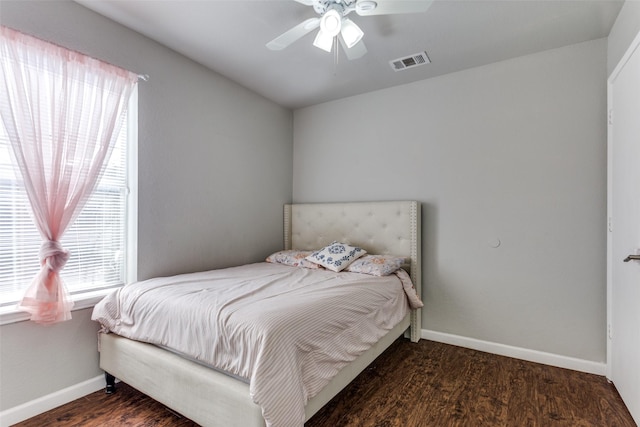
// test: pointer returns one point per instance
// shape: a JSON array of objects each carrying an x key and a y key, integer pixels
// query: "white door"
[{"x": 623, "y": 287}]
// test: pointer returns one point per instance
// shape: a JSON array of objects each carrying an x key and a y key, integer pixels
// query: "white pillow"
[{"x": 336, "y": 256}]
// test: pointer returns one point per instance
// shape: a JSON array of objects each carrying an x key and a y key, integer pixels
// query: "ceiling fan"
[{"x": 334, "y": 23}]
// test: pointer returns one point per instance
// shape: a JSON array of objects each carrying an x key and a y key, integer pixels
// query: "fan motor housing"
[{"x": 342, "y": 6}]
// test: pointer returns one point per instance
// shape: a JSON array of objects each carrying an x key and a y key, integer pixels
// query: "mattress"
[{"x": 286, "y": 330}]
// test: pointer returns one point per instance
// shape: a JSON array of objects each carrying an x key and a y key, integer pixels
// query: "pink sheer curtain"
[{"x": 62, "y": 111}]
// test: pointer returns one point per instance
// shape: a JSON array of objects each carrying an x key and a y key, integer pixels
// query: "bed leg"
[{"x": 111, "y": 383}]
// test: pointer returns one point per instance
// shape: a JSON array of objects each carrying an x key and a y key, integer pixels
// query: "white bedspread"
[{"x": 287, "y": 330}]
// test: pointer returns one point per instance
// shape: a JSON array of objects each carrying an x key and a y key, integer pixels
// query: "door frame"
[{"x": 635, "y": 45}]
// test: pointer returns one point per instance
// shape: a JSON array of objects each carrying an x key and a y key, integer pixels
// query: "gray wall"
[
  {"x": 623, "y": 32},
  {"x": 514, "y": 151},
  {"x": 36, "y": 360},
  {"x": 215, "y": 168}
]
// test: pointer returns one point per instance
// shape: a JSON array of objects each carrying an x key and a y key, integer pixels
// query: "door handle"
[{"x": 632, "y": 258}]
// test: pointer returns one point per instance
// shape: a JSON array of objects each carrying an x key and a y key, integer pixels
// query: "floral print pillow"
[
  {"x": 336, "y": 256},
  {"x": 293, "y": 258},
  {"x": 376, "y": 265}
]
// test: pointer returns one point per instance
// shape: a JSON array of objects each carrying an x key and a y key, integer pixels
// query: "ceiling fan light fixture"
[
  {"x": 351, "y": 33},
  {"x": 331, "y": 23},
  {"x": 323, "y": 41}
]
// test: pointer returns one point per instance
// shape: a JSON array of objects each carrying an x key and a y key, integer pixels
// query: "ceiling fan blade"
[
  {"x": 288, "y": 37},
  {"x": 391, "y": 7},
  {"x": 357, "y": 51}
]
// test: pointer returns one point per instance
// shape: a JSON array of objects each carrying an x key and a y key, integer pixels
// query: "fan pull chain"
[{"x": 336, "y": 51}]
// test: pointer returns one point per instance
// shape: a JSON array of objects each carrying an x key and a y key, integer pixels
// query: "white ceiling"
[{"x": 230, "y": 36}]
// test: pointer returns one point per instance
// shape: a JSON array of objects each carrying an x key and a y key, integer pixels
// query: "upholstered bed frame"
[{"x": 212, "y": 398}]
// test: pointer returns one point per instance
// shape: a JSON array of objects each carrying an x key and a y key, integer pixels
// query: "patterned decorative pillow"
[
  {"x": 376, "y": 265},
  {"x": 336, "y": 256},
  {"x": 293, "y": 258}
]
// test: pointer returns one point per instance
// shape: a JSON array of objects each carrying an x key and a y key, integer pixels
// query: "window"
[{"x": 102, "y": 240}]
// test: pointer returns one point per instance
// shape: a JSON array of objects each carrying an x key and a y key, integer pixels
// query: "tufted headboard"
[{"x": 387, "y": 228}]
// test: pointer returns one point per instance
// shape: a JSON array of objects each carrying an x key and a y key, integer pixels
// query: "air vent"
[{"x": 410, "y": 61}]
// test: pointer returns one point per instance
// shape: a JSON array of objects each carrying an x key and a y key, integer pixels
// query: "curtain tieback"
[{"x": 54, "y": 255}]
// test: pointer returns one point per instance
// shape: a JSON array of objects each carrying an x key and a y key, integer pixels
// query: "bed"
[{"x": 214, "y": 398}]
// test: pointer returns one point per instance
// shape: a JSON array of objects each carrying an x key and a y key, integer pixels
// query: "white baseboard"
[
  {"x": 46, "y": 403},
  {"x": 517, "y": 352}
]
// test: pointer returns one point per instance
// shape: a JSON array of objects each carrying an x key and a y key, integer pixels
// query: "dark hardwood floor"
[{"x": 410, "y": 385}]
